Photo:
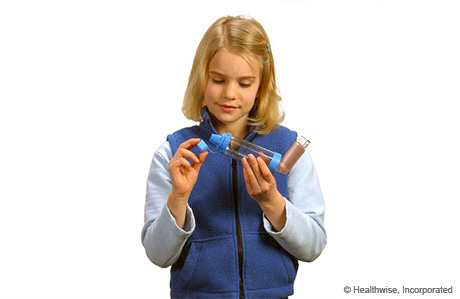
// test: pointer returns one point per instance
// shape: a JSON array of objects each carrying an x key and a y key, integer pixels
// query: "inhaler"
[{"x": 237, "y": 148}]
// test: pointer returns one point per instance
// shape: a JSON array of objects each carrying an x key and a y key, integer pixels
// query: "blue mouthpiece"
[{"x": 220, "y": 141}]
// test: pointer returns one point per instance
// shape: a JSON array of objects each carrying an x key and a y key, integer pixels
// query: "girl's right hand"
[{"x": 183, "y": 174}]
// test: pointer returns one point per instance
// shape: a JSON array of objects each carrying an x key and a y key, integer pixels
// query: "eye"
[
  {"x": 245, "y": 85},
  {"x": 218, "y": 81}
]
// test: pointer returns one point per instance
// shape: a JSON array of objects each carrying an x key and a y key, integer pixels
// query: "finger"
[
  {"x": 255, "y": 167},
  {"x": 246, "y": 173},
  {"x": 202, "y": 156},
  {"x": 265, "y": 171},
  {"x": 249, "y": 177},
  {"x": 184, "y": 162},
  {"x": 185, "y": 153},
  {"x": 265, "y": 158},
  {"x": 188, "y": 144},
  {"x": 179, "y": 163}
]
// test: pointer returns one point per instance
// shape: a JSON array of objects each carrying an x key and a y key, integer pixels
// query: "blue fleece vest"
[{"x": 230, "y": 248}]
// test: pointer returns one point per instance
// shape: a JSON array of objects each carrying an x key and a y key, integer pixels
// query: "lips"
[{"x": 227, "y": 108}]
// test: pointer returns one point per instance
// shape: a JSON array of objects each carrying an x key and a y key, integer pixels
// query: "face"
[{"x": 231, "y": 89}]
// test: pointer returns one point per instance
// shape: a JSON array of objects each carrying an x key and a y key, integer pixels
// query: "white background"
[{"x": 90, "y": 89}]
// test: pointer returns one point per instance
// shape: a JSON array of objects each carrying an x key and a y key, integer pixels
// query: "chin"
[{"x": 225, "y": 119}]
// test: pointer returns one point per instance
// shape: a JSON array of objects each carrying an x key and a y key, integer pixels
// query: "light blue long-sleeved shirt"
[{"x": 303, "y": 235}]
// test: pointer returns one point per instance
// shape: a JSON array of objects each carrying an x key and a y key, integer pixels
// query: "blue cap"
[
  {"x": 202, "y": 146},
  {"x": 220, "y": 141},
  {"x": 273, "y": 165}
]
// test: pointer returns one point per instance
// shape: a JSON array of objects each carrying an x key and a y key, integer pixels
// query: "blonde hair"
[{"x": 243, "y": 36}]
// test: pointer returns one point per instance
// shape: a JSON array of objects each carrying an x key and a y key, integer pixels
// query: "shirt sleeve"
[
  {"x": 303, "y": 235},
  {"x": 163, "y": 240}
]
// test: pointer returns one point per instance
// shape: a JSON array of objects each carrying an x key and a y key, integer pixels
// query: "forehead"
[{"x": 234, "y": 65}]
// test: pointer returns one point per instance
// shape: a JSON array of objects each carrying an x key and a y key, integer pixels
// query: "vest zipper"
[{"x": 238, "y": 226}]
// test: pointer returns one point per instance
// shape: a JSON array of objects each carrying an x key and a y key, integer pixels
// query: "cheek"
[
  {"x": 210, "y": 94},
  {"x": 249, "y": 97}
]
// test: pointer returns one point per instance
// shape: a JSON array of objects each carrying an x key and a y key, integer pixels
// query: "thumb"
[{"x": 201, "y": 157}]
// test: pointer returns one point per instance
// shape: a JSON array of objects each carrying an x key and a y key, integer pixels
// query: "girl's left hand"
[
  {"x": 260, "y": 183},
  {"x": 261, "y": 186}
]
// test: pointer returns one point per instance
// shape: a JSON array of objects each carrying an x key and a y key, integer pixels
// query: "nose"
[{"x": 230, "y": 91}]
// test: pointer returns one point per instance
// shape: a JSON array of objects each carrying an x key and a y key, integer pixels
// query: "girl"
[{"x": 232, "y": 229}]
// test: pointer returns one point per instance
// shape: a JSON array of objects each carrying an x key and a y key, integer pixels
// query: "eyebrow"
[{"x": 240, "y": 78}]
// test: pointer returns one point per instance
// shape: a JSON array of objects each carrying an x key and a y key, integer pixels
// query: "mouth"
[{"x": 227, "y": 108}]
